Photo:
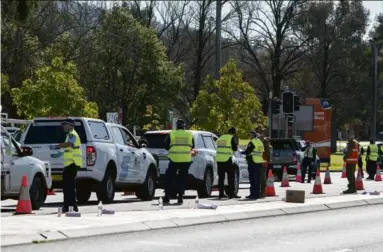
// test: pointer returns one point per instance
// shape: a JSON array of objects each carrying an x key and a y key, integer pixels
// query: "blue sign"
[{"x": 325, "y": 104}]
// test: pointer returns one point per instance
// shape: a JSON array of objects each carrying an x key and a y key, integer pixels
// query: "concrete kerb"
[{"x": 52, "y": 236}]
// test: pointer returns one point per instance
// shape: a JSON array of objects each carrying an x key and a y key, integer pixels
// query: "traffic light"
[
  {"x": 275, "y": 106},
  {"x": 288, "y": 102},
  {"x": 290, "y": 120},
  {"x": 297, "y": 103}
]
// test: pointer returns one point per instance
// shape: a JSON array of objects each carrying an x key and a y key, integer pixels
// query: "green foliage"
[
  {"x": 53, "y": 91},
  {"x": 4, "y": 84},
  {"x": 228, "y": 102},
  {"x": 152, "y": 119}
]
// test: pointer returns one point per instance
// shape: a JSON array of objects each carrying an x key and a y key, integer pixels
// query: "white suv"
[
  {"x": 203, "y": 174},
  {"x": 112, "y": 158}
]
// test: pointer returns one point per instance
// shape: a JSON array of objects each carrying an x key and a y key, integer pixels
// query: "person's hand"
[{"x": 194, "y": 152}]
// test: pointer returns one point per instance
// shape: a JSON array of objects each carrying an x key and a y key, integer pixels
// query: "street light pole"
[
  {"x": 374, "y": 87},
  {"x": 218, "y": 38}
]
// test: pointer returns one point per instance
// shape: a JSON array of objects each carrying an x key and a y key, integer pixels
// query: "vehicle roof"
[
  {"x": 168, "y": 131},
  {"x": 63, "y": 118},
  {"x": 114, "y": 124}
]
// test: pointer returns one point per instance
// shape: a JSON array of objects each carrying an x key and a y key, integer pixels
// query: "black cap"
[
  {"x": 180, "y": 123},
  {"x": 253, "y": 132},
  {"x": 232, "y": 130},
  {"x": 69, "y": 121}
]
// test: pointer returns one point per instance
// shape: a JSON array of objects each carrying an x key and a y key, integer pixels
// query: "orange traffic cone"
[
  {"x": 344, "y": 171},
  {"x": 298, "y": 177},
  {"x": 270, "y": 190},
  {"x": 51, "y": 191},
  {"x": 378, "y": 176},
  {"x": 317, "y": 189},
  {"x": 327, "y": 177},
  {"x": 285, "y": 179},
  {"x": 359, "y": 181},
  {"x": 24, "y": 204}
]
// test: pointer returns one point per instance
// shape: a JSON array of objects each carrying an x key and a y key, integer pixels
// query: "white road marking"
[
  {"x": 342, "y": 250},
  {"x": 161, "y": 244}
]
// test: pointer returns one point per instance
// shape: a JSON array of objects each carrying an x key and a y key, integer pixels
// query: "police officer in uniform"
[
  {"x": 310, "y": 154},
  {"x": 179, "y": 143},
  {"x": 351, "y": 159},
  {"x": 253, "y": 153},
  {"x": 226, "y": 146},
  {"x": 72, "y": 162},
  {"x": 266, "y": 158},
  {"x": 371, "y": 159}
]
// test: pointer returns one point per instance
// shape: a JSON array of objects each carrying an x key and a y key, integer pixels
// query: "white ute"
[
  {"x": 203, "y": 175},
  {"x": 113, "y": 160},
  {"x": 14, "y": 164}
]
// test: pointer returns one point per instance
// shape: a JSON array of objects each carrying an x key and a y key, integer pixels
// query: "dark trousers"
[
  {"x": 69, "y": 185},
  {"x": 350, "y": 173},
  {"x": 254, "y": 177},
  {"x": 223, "y": 168},
  {"x": 307, "y": 162},
  {"x": 360, "y": 165},
  {"x": 371, "y": 169},
  {"x": 262, "y": 180},
  {"x": 179, "y": 180}
]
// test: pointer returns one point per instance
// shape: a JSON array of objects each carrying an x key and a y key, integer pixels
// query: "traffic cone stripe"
[
  {"x": 378, "y": 176},
  {"x": 285, "y": 179},
  {"x": 327, "y": 177},
  {"x": 298, "y": 177},
  {"x": 270, "y": 190},
  {"x": 344, "y": 171}
]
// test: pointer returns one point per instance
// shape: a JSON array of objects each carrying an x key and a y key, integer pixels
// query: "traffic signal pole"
[{"x": 270, "y": 114}]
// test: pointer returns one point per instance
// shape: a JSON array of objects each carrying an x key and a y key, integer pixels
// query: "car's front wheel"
[
  {"x": 106, "y": 190},
  {"x": 147, "y": 190},
  {"x": 206, "y": 187},
  {"x": 37, "y": 193}
]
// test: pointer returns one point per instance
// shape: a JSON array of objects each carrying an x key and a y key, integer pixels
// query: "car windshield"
[
  {"x": 49, "y": 131},
  {"x": 155, "y": 140}
]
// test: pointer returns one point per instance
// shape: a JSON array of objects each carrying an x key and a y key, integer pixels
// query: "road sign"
[{"x": 112, "y": 117}]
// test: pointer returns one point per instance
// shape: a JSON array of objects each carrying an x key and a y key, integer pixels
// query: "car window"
[
  {"x": 155, "y": 140},
  {"x": 128, "y": 138},
  {"x": 8, "y": 145},
  {"x": 282, "y": 145},
  {"x": 98, "y": 130},
  {"x": 50, "y": 131},
  {"x": 198, "y": 142},
  {"x": 208, "y": 140},
  {"x": 118, "y": 136}
]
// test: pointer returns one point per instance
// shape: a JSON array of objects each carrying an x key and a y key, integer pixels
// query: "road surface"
[{"x": 347, "y": 230}]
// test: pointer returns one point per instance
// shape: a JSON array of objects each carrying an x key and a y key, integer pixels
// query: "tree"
[
  {"x": 152, "y": 119},
  {"x": 53, "y": 91},
  {"x": 228, "y": 102}
]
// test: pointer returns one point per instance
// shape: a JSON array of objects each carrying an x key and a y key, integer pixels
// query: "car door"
[
  {"x": 138, "y": 169},
  {"x": 125, "y": 157},
  {"x": 12, "y": 161},
  {"x": 211, "y": 153}
]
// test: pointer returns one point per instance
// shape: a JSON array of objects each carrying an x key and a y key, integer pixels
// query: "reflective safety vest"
[
  {"x": 181, "y": 142},
  {"x": 73, "y": 154},
  {"x": 373, "y": 156},
  {"x": 309, "y": 152},
  {"x": 224, "y": 150},
  {"x": 257, "y": 153},
  {"x": 353, "y": 158}
]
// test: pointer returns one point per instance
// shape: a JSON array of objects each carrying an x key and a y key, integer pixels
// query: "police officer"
[
  {"x": 226, "y": 146},
  {"x": 351, "y": 159},
  {"x": 310, "y": 154},
  {"x": 72, "y": 162},
  {"x": 266, "y": 158},
  {"x": 179, "y": 143},
  {"x": 371, "y": 159},
  {"x": 253, "y": 153}
]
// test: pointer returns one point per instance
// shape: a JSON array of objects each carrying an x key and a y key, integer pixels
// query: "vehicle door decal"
[{"x": 125, "y": 167}]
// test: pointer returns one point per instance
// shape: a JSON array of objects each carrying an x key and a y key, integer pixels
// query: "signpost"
[{"x": 112, "y": 117}]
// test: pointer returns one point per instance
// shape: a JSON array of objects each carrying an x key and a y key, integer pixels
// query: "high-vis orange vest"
[{"x": 353, "y": 158}]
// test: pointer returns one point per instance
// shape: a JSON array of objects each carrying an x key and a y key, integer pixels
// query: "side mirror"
[
  {"x": 143, "y": 143},
  {"x": 26, "y": 151}
]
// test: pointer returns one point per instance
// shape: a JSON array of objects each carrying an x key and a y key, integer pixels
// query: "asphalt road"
[
  {"x": 131, "y": 203},
  {"x": 347, "y": 230}
]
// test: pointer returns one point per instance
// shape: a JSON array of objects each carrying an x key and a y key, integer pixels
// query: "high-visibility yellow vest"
[
  {"x": 73, "y": 154},
  {"x": 373, "y": 156},
  {"x": 309, "y": 152},
  {"x": 256, "y": 154},
  {"x": 181, "y": 142},
  {"x": 224, "y": 150}
]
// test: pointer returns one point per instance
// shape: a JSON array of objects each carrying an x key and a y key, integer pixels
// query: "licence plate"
[
  {"x": 57, "y": 177},
  {"x": 277, "y": 166}
]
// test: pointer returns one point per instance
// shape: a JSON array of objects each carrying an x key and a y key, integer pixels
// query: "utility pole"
[
  {"x": 218, "y": 38},
  {"x": 374, "y": 88},
  {"x": 270, "y": 114}
]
